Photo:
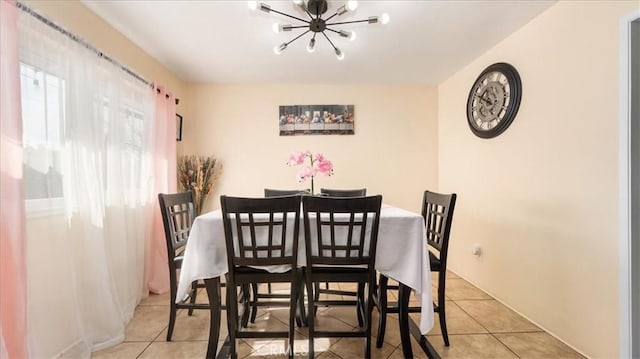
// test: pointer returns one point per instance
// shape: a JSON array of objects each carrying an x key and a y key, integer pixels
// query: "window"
[{"x": 43, "y": 115}]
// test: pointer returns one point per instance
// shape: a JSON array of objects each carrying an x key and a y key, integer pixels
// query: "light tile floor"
[{"x": 479, "y": 327}]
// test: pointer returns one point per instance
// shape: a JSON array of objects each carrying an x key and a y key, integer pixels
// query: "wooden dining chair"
[
  {"x": 341, "y": 235},
  {"x": 259, "y": 233},
  {"x": 178, "y": 213},
  {"x": 256, "y": 296},
  {"x": 359, "y": 294},
  {"x": 437, "y": 211}
]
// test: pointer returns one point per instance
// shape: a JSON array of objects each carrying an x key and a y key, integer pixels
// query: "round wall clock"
[{"x": 494, "y": 100}]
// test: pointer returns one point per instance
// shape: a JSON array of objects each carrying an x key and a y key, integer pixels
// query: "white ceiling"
[{"x": 224, "y": 42}]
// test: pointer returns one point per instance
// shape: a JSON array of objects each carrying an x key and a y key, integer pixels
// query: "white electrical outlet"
[{"x": 477, "y": 250}]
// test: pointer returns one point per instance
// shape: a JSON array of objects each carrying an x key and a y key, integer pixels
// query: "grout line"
[
  {"x": 144, "y": 350},
  {"x": 394, "y": 350},
  {"x": 505, "y": 345},
  {"x": 470, "y": 316},
  {"x": 485, "y": 328},
  {"x": 332, "y": 352}
]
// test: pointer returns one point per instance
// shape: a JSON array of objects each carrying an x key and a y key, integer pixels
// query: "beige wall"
[
  {"x": 393, "y": 151},
  {"x": 541, "y": 199}
]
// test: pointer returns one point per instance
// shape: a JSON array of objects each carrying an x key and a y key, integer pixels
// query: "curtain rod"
[{"x": 84, "y": 43}]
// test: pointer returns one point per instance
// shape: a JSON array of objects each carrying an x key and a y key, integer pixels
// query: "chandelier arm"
[
  {"x": 332, "y": 30},
  {"x": 347, "y": 22},
  {"x": 308, "y": 13},
  {"x": 297, "y": 37},
  {"x": 331, "y": 17},
  {"x": 299, "y": 27},
  {"x": 291, "y": 16},
  {"x": 328, "y": 39}
]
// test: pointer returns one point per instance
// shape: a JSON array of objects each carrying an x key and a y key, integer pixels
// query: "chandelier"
[{"x": 315, "y": 9}]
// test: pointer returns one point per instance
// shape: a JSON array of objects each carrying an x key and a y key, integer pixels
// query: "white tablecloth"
[{"x": 401, "y": 254}]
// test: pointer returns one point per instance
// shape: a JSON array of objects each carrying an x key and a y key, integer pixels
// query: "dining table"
[{"x": 401, "y": 255}]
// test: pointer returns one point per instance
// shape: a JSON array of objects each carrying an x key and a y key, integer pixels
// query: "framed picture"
[
  {"x": 178, "y": 127},
  {"x": 316, "y": 120}
]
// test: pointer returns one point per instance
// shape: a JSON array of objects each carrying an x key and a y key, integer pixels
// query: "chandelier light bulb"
[
  {"x": 384, "y": 19},
  {"x": 300, "y": 4},
  {"x": 264, "y": 7},
  {"x": 277, "y": 28},
  {"x": 279, "y": 48},
  {"x": 312, "y": 45},
  {"x": 352, "y": 5},
  {"x": 351, "y": 35},
  {"x": 339, "y": 54},
  {"x": 252, "y": 5}
]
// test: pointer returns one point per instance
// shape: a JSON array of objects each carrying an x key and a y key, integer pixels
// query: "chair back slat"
[
  {"x": 343, "y": 193},
  {"x": 437, "y": 211},
  {"x": 257, "y": 230},
  {"x": 346, "y": 230},
  {"x": 178, "y": 213},
  {"x": 269, "y": 192}
]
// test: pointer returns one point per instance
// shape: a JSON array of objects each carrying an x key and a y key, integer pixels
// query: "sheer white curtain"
[
  {"x": 88, "y": 162},
  {"x": 13, "y": 315}
]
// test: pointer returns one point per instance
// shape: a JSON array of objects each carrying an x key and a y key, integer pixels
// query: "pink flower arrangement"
[{"x": 318, "y": 165}]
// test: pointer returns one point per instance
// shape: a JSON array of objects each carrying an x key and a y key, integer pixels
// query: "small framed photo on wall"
[{"x": 178, "y": 127}]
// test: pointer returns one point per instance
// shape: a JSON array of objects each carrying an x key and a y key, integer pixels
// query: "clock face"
[{"x": 494, "y": 100}]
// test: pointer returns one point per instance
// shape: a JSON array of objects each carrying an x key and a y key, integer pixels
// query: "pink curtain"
[
  {"x": 13, "y": 315},
  {"x": 165, "y": 182}
]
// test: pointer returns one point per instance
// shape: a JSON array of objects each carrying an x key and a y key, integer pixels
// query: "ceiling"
[{"x": 425, "y": 42}]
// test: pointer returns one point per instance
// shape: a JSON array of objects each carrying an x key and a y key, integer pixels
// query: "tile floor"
[{"x": 479, "y": 327}]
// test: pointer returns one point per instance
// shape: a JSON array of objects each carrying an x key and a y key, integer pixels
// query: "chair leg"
[
  {"x": 360, "y": 307},
  {"x": 194, "y": 294},
  {"x": 232, "y": 319},
  {"x": 246, "y": 301},
  {"x": 316, "y": 296},
  {"x": 254, "y": 303},
  {"x": 293, "y": 304},
  {"x": 442, "y": 316},
  {"x": 382, "y": 308},
  {"x": 213, "y": 293},
  {"x": 369, "y": 312},
  {"x": 172, "y": 319},
  {"x": 301, "y": 318},
  {"x": 310, "y": 317},
  {"x": 223, "y": 295}
]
